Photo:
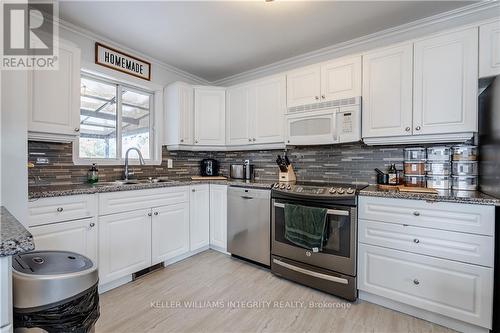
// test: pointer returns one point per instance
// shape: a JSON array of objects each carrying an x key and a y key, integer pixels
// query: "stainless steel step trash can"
[{"x": 54, "y": 291}]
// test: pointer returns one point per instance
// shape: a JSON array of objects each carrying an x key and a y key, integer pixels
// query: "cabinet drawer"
[
  {"x": 468, "y": 248},
  {"x": 118, "y": 202},
  {"x": 450, "y": 288},
  {"x": 475, "y": 219},
  {"x": 58, "y": 209}
]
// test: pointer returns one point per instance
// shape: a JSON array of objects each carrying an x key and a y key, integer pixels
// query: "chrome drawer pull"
[
  {"x": 416, "y": 213},
  {"x": 329, "y": 211},
  {"x": 311, "y": 273},
  {"x": 92, "y": 224},
  {"x": 416, "y": 282},
  {"x": 60, "y": 209},
  {"x": 416, "y": 240}
]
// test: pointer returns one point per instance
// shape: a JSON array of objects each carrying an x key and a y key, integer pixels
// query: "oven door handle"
[
  {"x": 311, "y": 273},
  {"x": 329, "y": 211}
]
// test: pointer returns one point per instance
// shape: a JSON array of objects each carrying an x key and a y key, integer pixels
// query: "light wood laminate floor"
[{"x": 220, "y": 285}]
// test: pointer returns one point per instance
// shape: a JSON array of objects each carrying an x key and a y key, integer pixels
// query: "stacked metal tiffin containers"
[
  {"x": 465, "y": 167},
  {"x": 414, "y": 166},
  {"x": 438, "y": 167}
]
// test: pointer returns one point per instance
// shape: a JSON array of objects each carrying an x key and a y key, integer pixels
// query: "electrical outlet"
[{"x": 170, "y": 163}]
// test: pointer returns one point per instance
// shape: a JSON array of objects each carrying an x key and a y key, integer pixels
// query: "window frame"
[{"x": 156, "y": 105}]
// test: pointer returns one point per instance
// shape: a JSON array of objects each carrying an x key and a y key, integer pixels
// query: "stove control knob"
[
  {"x": 289, "y": 187},
  {"x": 320, "y": 191},
  {"x": 332, "y": 190},
  {"x": 299, "y": 189},
  {"x": 340, "y": 190},
  {"x": 350, "y": 191},
  {"x": 282, "y": 186},
  {"x": 276, "y": 185}
]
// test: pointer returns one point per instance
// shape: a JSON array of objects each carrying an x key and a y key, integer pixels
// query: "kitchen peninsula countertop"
[
  {"x": 47, "y": 191},
  {"x": 466, "y": 197},
  {"x": 14, "y": 238}
]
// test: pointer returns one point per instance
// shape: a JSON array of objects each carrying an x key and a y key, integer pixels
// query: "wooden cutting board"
[
  {"x": 208, "y": 178},
  {"x": 402, "y": 188}
]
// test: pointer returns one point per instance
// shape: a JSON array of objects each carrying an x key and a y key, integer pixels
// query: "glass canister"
[
  {"x": 438, "y": 168},
  {"x": 468, "y": 183},
  {"x": 465, "y": 168},
  {"x": 465, "y": 153},
  {"x": 439, "y": 182},
  {"x": 415, "y": 180},
  {"x": 438, "y": 153},
  {"x": 414, "y": 154},
  {"x": 414, "y": 168}
]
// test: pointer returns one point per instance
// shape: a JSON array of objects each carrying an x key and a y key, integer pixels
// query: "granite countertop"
[
  {"x": 47, "y": 191},
  {"x": 467, "y": 197},
  {"x": 14, "y": 238}
]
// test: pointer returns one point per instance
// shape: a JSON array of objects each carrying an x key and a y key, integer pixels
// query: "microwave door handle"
[
  {"x": 310, "y": 273},
  {"x": 329, "y": 211}
]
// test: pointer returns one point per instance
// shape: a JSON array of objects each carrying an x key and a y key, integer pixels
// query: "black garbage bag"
[{"x": 77, "y": 315}]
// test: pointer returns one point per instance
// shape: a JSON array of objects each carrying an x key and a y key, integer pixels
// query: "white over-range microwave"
[{"x": 324, "y": 123}]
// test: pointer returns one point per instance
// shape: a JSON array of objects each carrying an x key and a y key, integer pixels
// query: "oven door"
[{"x": 339, "y": 247}]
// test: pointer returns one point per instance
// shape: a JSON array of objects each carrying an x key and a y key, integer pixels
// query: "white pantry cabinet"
[
  {"x": 199, "y": 219},
  {"x": 179, "y": 114},
  {"x": 218, "y": 217},
  {"x": 78, "y": 236},
  {"x": 489, "y": 49},
  {"x": 445, "y": 83},
  {"x": 255, "y": 112},
  {"x": 328, "y": 81},
  {"x": 209, "y": 116},
  {"x": 387, "y": 91},
  {"x": 169, "y": 232},
  {"x": 124, "y": 244},
  {"x": 54, "y": 113}
]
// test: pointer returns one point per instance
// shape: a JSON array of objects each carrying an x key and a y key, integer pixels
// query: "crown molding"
[
  {"x": 390, "y": 32},
  {"x": 96, "y": 37}
]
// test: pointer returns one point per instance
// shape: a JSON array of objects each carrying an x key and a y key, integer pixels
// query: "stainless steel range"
[{"x": 332, "y": 268}]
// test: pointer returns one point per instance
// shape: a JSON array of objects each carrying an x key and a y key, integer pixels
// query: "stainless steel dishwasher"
[{"x": 249, "y": 224}]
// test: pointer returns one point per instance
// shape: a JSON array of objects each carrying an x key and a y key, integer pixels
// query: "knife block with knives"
[{"x": 286, "y": 173}]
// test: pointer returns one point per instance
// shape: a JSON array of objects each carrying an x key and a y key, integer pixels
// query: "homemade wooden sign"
[{"x": 120, "y": 61}]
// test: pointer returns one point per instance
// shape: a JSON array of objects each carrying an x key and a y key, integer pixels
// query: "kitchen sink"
[{"x": 121, "y": 182}]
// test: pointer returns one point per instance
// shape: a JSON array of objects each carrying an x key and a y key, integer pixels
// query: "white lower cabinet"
[
  {"x": 124, "y": 244},
  {"x": 78, "y": 236},
  {"x": 454, "y": 289},
  {"x": 169, "y": 232},
  {"x": 6, "y": 294},
  {"x": 218, "y": 217},
  {"x": 199, "y": 220}
]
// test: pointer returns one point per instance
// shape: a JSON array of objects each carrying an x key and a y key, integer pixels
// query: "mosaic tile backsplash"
[{"x": 345, "y": 163}]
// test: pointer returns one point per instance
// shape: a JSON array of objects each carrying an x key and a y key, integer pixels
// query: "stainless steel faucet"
[{"x": 126, "y": 173}]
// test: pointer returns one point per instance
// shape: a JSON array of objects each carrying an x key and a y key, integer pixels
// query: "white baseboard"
[
  {"x": 219, "y": 249},
  {"x": 422, "y": 314},
  {"x": 185, "y": 255},
  {"x": 115, "y": 284}
]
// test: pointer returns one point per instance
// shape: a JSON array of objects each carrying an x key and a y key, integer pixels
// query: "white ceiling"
[{"x": 214, "y": 40}]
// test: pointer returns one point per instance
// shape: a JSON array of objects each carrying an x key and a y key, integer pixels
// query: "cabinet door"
[
  {"x": 341, "y": 79},
  {"x": 124, "y": 244},
  {"x": 268, "y": 116},
  {"x": 179, "y": 111},
  {"x": 209, "y": 114},
  {"x": 199, "y": 219},
  {"x": 489, "y": 49},
  {"x": 303, "y": 86},
  {"x": 218, "y": 217},
  {"x": 186, "y": 110},
  {"x": 387, "y": 92},
  {"x": 55, "y": 95},
  {"x": 169, "y": 232},
  {"x": 445, "y": 88},
  {"x": 78, "y": 236},
  {"x": 240, "y": 102}
]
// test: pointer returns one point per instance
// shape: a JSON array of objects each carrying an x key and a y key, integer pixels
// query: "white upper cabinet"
[
  {"x": 240, "y": 106},
  {"x": 387, "y": 91},
  {"x": 209, "y": 116},
  {"x": 445, "y": 84},
  {"x": 489, "y": 49},
  {"x": 303, "y": 86},
  {"x": 55, "y": 98},
  {"x": 341, "y": 79},
  {"x": 270, "y": 108},
  {"x": 179, "y": 105}
]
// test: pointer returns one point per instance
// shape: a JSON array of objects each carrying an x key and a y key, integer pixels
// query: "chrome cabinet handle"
[
  {"x": 92, "y": 224},
  {"x": 77, "y": 129},
  {"x": 156, "y": 213},
  {"x": 249, "y": 140},
  {"x": 416, "y": 213},
  {"x": 323, "y": 96},
  {"x": 60, "y": 209},
  {"x": 416, "y": 241},
  {"x": 407, "y": 129},
  {"x": 416, "y": 282},
  {"x": 149, "y": 214},
  {"x": 193, "y": 190},
  {"x": 182, "y": 140},
  {"x": 418, "y": 128},
  {"x": 316, "y": 97},
  {"x": 253, "y": 139},
  {"x": 195, "y": 141}
]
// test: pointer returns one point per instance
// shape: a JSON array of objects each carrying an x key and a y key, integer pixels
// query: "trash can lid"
[{"x": 50, "y": 262}]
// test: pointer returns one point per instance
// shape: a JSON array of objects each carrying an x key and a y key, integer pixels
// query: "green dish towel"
[{"x": 305, "y": 226}]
